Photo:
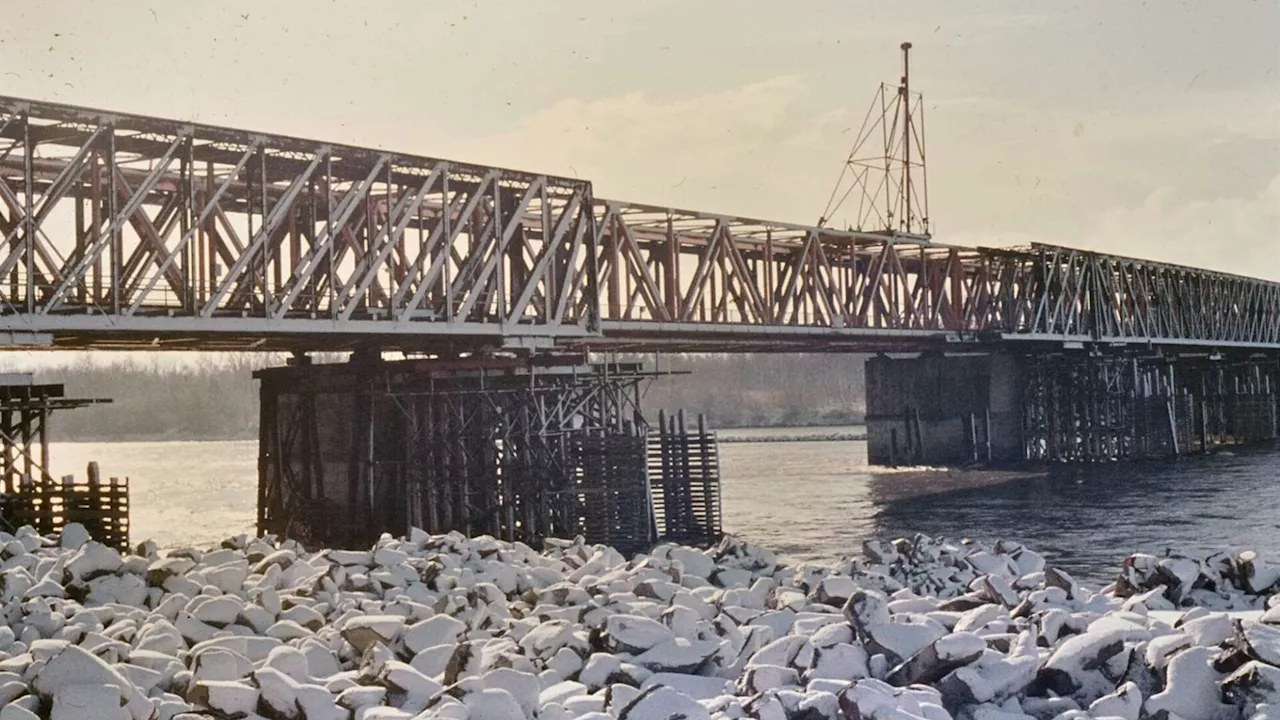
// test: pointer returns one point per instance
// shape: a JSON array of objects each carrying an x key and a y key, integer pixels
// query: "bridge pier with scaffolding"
[
  {"x": 517, "y": 448},
  {"x": 1068, "y": 406}
]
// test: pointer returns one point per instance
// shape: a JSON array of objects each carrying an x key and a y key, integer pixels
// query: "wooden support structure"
[
  {"x": 101, "y": 507},
  {"x": 614, "y": 507},
  {"x": 684, "y": 471},
  {"x": 1081, "y": 408},
  {"x": 29, "y": 495},
  {"x": 521, "y": 449}
]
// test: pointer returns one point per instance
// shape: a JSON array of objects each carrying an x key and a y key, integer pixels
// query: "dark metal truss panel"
[{"x": 127, "y": 231}]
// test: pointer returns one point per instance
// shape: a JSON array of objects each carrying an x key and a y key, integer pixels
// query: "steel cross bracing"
[
  {"x": 686, "y": 279},
  {"x": 121, "y": 230},
  {"x": 127, "y": 231}
]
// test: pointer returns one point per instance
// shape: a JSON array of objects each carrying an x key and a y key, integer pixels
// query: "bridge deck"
[{"x": 121, "y": 231}]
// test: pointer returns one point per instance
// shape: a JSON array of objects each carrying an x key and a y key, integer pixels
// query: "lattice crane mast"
[{"x": 883, "y": 185}]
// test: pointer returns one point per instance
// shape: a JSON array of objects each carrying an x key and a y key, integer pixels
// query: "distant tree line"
[
  {"x": 216, "y": 398},
  {"x": 763, "y": 390}
]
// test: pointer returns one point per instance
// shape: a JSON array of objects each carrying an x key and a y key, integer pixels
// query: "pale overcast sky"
[{"x": 1149, "y": 129}]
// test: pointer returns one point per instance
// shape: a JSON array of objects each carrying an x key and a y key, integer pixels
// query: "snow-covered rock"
[
  {"x": 1192, "y": 687},
  {"x": 463, "y": 628}
]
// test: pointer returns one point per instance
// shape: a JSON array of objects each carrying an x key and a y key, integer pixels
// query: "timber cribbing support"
[
  {"x": 518, "y": 448},
  {"x": 29, "y": 493}
]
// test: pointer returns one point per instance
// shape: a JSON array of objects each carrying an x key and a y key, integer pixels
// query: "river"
[{"x": 816, "y": 500}]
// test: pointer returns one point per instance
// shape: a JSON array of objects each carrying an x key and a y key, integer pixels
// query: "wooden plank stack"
[
  {"x": 609, "y": 481},
  {"x": 684, "y": 475},
  {"x": 101, "y": 507}
]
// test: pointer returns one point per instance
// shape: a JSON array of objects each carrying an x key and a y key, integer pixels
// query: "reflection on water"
[
  {"x": 1087, "y": 519},
  {"x": 816, "y": 500},
  {"x": 819, "y": 500}
]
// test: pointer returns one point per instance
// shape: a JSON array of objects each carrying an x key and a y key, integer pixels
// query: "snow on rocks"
[
  {"x": 476, "y": 629},
  {"x": 1219, "y": 582}
]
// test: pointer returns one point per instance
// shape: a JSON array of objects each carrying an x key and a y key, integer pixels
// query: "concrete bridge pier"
[
  {"x": 1071, "y": 406},
  {"x": 943, "y": 409}
]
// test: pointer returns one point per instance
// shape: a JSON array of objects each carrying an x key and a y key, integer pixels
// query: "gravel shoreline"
[{"x": 478, "y": 629}]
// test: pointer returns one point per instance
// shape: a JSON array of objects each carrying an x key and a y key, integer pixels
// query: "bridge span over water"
[
  {"x": 122, "y": 231},
  {"x": 128, "y": 232}
]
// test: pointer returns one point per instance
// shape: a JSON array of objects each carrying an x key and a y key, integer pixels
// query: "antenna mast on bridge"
[{"x": 877, "y": 190}]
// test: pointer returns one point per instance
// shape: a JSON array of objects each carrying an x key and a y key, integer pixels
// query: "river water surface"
[{"x": 816, "y": 500}]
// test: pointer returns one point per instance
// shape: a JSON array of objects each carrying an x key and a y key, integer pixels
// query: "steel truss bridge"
[{"x": 121, "y": 231}]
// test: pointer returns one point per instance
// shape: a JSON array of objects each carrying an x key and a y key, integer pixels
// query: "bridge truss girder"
[
  {"x": 128, "y": 231},
  {"x": 117, "y": 230},
  {"x": 698, "y": 278}
]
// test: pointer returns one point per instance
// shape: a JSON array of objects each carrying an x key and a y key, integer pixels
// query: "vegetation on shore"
[{"x": 214, "y": 399}]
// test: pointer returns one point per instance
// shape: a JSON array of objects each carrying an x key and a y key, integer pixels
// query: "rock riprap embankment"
[{"x": 477, "y": 629}]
